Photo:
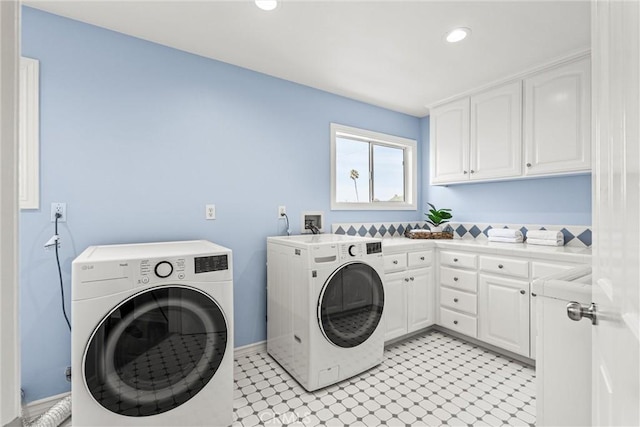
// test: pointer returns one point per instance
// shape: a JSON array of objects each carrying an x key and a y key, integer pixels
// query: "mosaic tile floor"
[{"x": 430, "y": 380}]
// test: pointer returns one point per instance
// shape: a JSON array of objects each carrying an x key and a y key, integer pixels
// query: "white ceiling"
[{"x": 386, "y": 53}]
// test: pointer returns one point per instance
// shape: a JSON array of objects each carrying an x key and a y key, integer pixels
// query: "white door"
[
  {"x": 9, "y": 344},
  {"x": 616, "y": 215},
  {"x": 496, "y": 133},
  {"x": 450, "y": 142}
]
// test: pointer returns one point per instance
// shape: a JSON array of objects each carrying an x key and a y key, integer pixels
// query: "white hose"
[{"x": 54, "y": 416}]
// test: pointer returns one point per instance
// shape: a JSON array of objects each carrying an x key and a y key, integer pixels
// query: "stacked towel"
[
  {"x": 420, "y": 231},
  {"x": 545, "y": 237},
  {"x": 505, "y": 235}
]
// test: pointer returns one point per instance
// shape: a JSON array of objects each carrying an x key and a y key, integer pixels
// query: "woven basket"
[{"x": 432, "y": 235}]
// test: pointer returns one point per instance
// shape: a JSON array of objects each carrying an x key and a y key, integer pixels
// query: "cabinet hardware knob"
[
  {"x": 472, "y": 171},
  {"x": 455, "y": 279},
  {"x": 455, "y": 322},
  {"x": 534, "y": 295},
  {"x": 455, "y": 300},
  {"x": 528, "y": 165},
  {"x": 395, "y": 261},
  {"x": 522, "y": 291},
  {"x": 500, "y": 266},
  {"x": 406, "y": 279},
  {"x": 455, "y": 260},
  {"x": 464, "y": 172},
  {"x": 411, "y": 278},
  {"x": 422, "y": 258}
]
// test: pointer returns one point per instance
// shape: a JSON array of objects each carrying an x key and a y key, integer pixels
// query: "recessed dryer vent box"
[{"x": 311, "y": 220}]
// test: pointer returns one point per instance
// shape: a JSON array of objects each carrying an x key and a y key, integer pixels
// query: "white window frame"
[
  {"x": 29, "y": 134},
  {"x": 410, "y": 148}
]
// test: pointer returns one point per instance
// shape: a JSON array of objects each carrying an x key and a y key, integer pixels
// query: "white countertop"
[{"x": 557, "y": 253}]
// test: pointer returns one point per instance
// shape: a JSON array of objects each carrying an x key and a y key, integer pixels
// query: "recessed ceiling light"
[
  {"x": 457, "y": 34},
  {"x": 267, "y": 4}
]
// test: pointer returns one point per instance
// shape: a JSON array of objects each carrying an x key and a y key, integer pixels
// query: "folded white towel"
[
  {"x": 545, "y": 235},
  {"x": 506, "y": 239},
  {"x": 504, "y": 232},
  {"x": 420, "y": 231},
  {"x": 545, "y": 242}
]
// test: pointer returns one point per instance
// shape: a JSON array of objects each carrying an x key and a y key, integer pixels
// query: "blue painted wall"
[
  {"x": 561, "y": 200},
  {"x": 136, "y": 138}
]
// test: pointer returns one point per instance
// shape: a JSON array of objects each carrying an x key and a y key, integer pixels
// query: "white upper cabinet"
[
  {"x": 496, "y": 133},
  {"x": 449, "y": 135},
  {"x": 557, "y": 120},
  {"x": 500, "y": 133}
]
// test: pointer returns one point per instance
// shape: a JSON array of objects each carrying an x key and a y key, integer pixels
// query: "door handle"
[{"x": 576, "y": 311}]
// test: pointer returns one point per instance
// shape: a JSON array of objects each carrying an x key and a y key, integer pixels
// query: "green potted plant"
[{"x": 437, "y": 217}]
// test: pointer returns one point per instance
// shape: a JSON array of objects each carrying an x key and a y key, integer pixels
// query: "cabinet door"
[
  {"x": 496, "y": 133},
  {"x": 449, "y": 141},
  {"x": 420, "y": 299},
  {"x": 395, "y": 305},
  {"x": 503, "y": 313},
  {"x": 557, "y": 120}
]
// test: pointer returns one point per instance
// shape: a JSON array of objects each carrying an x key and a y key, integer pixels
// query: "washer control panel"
[{"x": 359, "y": 250}]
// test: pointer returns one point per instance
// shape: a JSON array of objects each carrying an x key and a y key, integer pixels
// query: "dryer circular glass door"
[
  {"x": 155, "y": 351},
  {"x": 350, "y": 306}
]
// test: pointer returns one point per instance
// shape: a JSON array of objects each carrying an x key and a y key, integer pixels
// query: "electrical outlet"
[
  {"x": 210, "y": 212},
  {"x": 282, "y": 211},
  {"x": 61, "y": 208}
]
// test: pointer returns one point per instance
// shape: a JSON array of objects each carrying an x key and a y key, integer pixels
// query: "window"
[{"x": 371, "y": 170}]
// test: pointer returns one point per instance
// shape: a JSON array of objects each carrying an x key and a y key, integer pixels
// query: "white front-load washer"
[
  {"x": 324, "y": 306},
  {"x": 152, "y": 335}
]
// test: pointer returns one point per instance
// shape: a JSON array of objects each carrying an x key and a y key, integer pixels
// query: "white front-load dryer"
[
  {"x": 152, "y": 335},
  {"x": 324, "y": 307}
]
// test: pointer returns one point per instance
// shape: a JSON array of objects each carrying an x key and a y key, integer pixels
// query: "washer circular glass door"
[
  {"x": 350, "y": 305},
  {"x": 155, "y": 351}
]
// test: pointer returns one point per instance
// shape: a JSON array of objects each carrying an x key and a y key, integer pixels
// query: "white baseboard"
[
  {"x": 247, "y": 350},
  {"x": 38, "y": 407}
]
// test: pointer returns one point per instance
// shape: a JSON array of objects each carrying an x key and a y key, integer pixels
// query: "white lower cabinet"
[
  {"x": 395, "y": 306},
  {"x": 420, "y": 299},
  {"x": 409, "y": 294},
  {"x": 483, "y": 296},
  {"x": 503, "y": 313}
]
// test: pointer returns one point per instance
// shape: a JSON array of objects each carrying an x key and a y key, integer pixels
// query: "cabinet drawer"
[
  {"x": 541, "y": 269},
  {"x": 458, "y": 300},
  {"x": 395, "y": 262},
  {"x": 505, "y": 266},
  {"x": 459, "y": 322},
  {"x": 420, "y": 259},
  {"x": 458, "y": 259},
  {"x": 459, "y": 279}
]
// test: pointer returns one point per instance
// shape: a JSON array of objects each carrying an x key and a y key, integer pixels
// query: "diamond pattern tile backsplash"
[{"x": 574, "y": 235}]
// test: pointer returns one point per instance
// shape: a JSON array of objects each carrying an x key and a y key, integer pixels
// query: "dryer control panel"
[{"x": 176, "y": 270}]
